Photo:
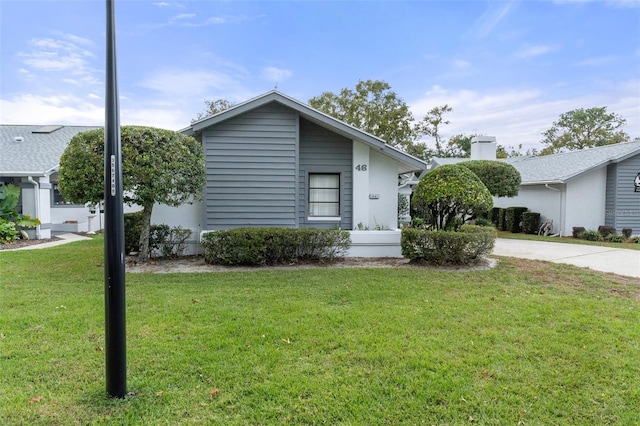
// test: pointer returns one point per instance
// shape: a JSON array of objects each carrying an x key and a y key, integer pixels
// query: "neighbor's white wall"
[
  {"x": 189, "y": 216},
  {"x": 586, "y": 198},
  {"x": 360, "y": 184},
  {"x": 537, "y": 198},
  {"x": 383, "y": 181}
]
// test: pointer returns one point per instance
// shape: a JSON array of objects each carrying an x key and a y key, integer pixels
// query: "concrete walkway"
[
  {"x": 64, "y": 239},
  {"x": 605, "y": 259}
]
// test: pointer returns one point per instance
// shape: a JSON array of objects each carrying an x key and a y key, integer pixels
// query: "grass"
[
  {"x": 567, "y": 240},
  {"x": 525, "y": 343}
]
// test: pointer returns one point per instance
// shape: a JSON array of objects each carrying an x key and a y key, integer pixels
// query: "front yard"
[{"x": 524, "y": 343}]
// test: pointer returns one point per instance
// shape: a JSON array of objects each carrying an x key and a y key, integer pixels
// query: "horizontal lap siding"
[
  {"x": 251, "y": 170},
  {"x": 626, "y": 210},
  {"x": 322, "y": 151}
]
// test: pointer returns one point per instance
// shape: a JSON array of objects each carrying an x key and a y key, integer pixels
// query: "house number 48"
[{"x": 361, "y": 167}]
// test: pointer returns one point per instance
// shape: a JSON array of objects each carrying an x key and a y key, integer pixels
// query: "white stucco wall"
[
  {"x": 537, "y": 198},
  {"x": 383, "y": 191},
  {"x": 586, "y": 198},
  {"x": 188, "y": 216},
  {"x": 360, "y": 184}
]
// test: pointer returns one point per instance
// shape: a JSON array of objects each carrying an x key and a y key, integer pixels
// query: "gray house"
[
  {"x": 587, "y": 188},
  {"x": 274, "y": 161},
  {"x": 29, "y": 158}
]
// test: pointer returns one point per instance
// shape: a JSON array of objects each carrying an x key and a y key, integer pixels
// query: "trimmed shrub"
[
  {"x": 636, "y": 239},
  {"x": 502, "y": 219},
  {"x": 626, "y": 232},
  {"x": 530, "y": 222},
  {"x": 500, "y": 178},
  {"x": 513, "y": 217},
  {"x": 576, "y": 231},
  {"x": 481, "y": 221},
  {"x": 606, "y": 230},
  {"x": 614, "y": 238},
  {"x": 168, "y": 242},
  {"x": 132, "y": 230},
  {"x": 443, "y": 247},
  {"x": 495, "y": 214},
  {"x": 450, "y": 194},
  {"x": 591, "y": 236},
  {"x": 271, "y": 246}
]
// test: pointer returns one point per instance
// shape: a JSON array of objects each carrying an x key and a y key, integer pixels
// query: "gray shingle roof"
[
  {"x": 37, "y": 152},
  {"x": 560, "y": 168}
]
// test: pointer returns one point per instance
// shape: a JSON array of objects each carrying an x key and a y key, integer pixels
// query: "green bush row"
[
  {"x": 271, "y": 246},
  {"x": 443, "y": 247}
]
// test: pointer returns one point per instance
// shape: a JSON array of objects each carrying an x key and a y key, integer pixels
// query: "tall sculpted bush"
[
  {"x": 500, "y": 178},
  {"x": 449, "y": 195},
  {"x": 158, "y": 166}
]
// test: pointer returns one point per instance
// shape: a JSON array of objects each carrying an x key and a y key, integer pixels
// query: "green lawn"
[
  {"x": 526, "y": 343},
  {"x": 566, "y": 240}
]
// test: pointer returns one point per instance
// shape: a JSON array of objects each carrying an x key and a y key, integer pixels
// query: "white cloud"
[
  {"x": 210, "y": 83},
  {"x": 595, "y": 61},
  {"x": 489, "y": 20},
  {"x": 533, "y": 51},
  {"x": 61, "y": 109},
  {"x": 52, "y": 55},
  {"x": 275, "y": 74},
  {"x": 519, "y": 116}
]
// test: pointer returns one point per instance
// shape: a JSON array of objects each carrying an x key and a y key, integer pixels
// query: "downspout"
[
  {"x": 36, "y": 187},
  {"x": 546, "y": 185}
]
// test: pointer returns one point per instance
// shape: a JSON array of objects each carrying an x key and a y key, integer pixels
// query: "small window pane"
[{"x": 324, "y": 195}]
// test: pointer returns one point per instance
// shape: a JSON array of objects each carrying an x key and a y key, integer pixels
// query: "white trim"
[{"x": 325, "y": 218}]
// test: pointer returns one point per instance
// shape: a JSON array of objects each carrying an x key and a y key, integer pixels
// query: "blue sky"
[{"x": 508, "y": 68}]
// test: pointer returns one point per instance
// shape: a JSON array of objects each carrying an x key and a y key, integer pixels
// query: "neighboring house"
[
  {"x": 29, "y": 158},
  {"x": 587, "y": 188},
  {"x": 275, "y": 162}
]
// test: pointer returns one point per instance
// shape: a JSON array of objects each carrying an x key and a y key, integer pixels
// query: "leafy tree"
[
  {"x": 450, "y": 194},
  {"x": 430, "y": 126},
  {"x": 459, "y": 146},
  {"x": 584, "y": 128},
  {"x": 158, "y": 166},
  {"x": 212, "y": 108},
  {"x": 371, "y": 107},
  {"x": 500, "y": 178}
]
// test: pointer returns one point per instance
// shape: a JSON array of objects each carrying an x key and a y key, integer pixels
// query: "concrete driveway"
[{"x": 618, "y": 261}]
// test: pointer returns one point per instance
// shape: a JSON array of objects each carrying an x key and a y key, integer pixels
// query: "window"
[
  {"x": 324, "y": 195},
  {"x": 57, "y": 199}
]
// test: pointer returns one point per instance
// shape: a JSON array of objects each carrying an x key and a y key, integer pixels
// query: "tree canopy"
[
  {"x": 371, "y": 107},
  {"x": 501, "y": 179},
  {"x": 449, "y": 194},
  {"x": 158, "y": 166},
  {"x": 212, "y": 108},
  {"x": 584, "y": 128}
]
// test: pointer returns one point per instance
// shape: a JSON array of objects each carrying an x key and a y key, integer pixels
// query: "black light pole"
[{"x": 115, "y": 329}]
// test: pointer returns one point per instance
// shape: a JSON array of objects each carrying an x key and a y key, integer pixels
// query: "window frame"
[{"x": 312, "y": 217}]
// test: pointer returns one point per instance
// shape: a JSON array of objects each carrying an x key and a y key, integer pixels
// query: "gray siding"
[
  {"x": 610, "y": 199},
  {"x": 322, "y": 151},
  {"x": 251, "y": 163},
  {"x": 626, "y": 206}
]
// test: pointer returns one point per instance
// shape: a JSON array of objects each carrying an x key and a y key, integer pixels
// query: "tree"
[
  {"x": 373, "y": 108},
  {"x": 584, "y": 128},
  {"x": 212, "y": 108},
  {"x": 158, "y": 166},
  {"x": 430, "y": 126},
  {"x": 500, "y": 178},
  {"x": 459, "y": 146},
  {"x": 449, "y": 194}
]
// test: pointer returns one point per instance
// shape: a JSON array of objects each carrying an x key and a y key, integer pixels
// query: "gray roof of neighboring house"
[
  {"x": 560, "y": 168},
  {"x": 38, "y": 152},
  {"x": 311, "y": 114}
]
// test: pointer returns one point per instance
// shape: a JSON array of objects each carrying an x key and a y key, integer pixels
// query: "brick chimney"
[{"x": 483, "y": 148}]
